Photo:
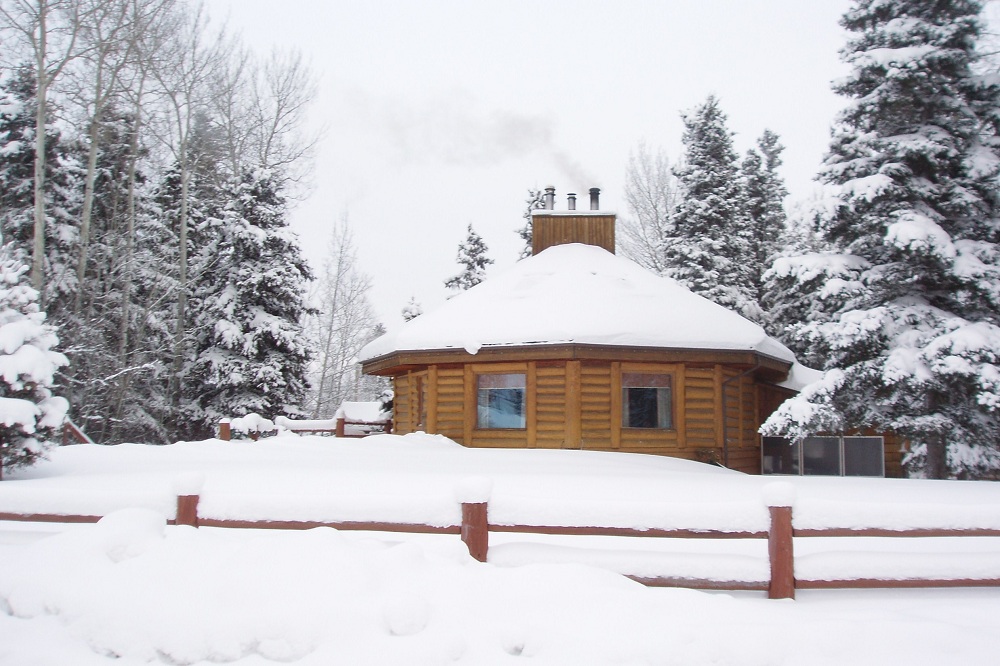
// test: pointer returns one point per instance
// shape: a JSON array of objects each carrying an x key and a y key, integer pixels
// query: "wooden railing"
[
  {"x": 73, "y": 434},
  {"x": 336, "y": 427},
  {"x": 475, "y": 527}
]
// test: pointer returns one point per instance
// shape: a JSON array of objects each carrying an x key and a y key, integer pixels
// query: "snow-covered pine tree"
[
  {"x": 763, "y": 196},
  {"x": 412, "y": 309},
  {"x": 253, "y": 354},
  {"x": 473, "y": 260},
  {"x": 534, "y": 201},
  {"x": 62, "y": 197},
  {"x": 905, "y": 301},
  {"x": 708, "y": 251},
  {"x": 29, "y": 414}
]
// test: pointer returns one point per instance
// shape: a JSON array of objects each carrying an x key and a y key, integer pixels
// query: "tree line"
[{"x": 148, "y": 160}]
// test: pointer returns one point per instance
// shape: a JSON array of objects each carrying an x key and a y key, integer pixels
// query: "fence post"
[
  {"x": 779, "y": 498},
  {"x": 475, "y": 529},
  {"x": 225, "y": 434},
  {"x": 187, "y": 510},
  {"x": 339, "y": 432}
]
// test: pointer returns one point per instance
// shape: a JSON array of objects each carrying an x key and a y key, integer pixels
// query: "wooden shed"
[{"x": 576, "y": 348}]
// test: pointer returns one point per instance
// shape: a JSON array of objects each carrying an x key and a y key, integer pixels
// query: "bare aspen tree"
[
  {"x": 103, "y": 35},
  {"x": 343, "y": 324},
  {"x": 261, "y": 106},
  {"x": 183, "y": 72},
  {"x": 146, "y": 34},
  {"x": 284, "y": 89},
  {"x": 49, "y": 30},
  {"x": 651, "y": 194}
]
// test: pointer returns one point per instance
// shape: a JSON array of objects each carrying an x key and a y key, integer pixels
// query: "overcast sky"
[{"x": 440, "y": 114}]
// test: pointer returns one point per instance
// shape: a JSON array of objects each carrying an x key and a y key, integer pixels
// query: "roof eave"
[{"x": 398, "y": 362}]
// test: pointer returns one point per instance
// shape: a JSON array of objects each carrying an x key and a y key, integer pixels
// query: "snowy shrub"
[{"x": 29, "y": 414}]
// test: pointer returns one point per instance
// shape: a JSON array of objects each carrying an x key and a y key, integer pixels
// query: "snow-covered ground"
[{"x": 131, "y": 590}]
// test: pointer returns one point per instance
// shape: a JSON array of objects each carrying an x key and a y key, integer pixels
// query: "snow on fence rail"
[
  {"x": 254, "y": 426},
  {"x": 475, "y": 527}
]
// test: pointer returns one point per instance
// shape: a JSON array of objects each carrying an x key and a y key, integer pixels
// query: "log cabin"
[{"x": 575, "y": 347}]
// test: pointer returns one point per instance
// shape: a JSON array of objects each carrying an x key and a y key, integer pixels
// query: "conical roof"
[{"x": 578, "y": 294}]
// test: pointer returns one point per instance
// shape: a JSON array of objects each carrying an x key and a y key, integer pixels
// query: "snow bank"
[
  {"x": 320, "y": 597},
  {"x": 250, "y": 597},
  {"x": 413, "y": 479}
]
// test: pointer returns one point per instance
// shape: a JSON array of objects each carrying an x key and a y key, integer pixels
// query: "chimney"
[
  {"x": 558, "y": 227},
  {"x": 550, "y": 198},
  {"x": 595, "y": 196}
]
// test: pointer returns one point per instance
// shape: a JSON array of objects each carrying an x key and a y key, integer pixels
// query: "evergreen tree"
[
  {"x": 472, "y": 257},
  {"x": 412, "y": 309},
  {"x": 709, "y": 249},
  {"x": 905, "y": 299},
  {"x": 535, "y": 201},
  {"x": 763, "y": 197},
  {"x": 29, "y": 414},
  {"x": 251, "y": 355},
  {"x": 62, "y": 197}
]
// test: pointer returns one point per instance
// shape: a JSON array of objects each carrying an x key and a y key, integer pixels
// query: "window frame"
[
  {"x": 798, "y": 458},
  {"x": 621, "y": 387},
  {"x": 479, "y": 426}
]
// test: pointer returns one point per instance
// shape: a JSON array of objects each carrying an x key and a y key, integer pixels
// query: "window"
[
  {"x": 646, "y": 400},
  {"x": 825, "y": 456},
  {"x": 500, "y": 401}
]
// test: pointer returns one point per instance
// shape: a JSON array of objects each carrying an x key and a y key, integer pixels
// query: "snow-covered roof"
[
  {"x": 578, "y": 294},
  {"x": 800, "y": 376}
]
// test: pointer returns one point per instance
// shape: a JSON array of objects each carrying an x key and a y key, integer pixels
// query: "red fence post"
[
  {"x": 225, "y": 432},
  {"x": 339, "y": 432},
  {"x": 781, "y": 554},
  {"x": 187, "y": 510},
  {"x": 475, "y": 529}
]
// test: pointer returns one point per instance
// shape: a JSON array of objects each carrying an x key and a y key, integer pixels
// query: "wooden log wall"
[
  {"x": 550, "y": 407},
  {"x": 578, "y": 405},
  {"x": 595, "y": 408},
  {"x": 558, "y": 229},
  {"x": 450, "y": 404}
]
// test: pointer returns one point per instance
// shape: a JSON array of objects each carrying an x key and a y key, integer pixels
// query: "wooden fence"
[{"x": 475, "y": 528}]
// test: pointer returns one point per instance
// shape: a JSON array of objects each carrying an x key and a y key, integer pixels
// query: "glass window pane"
[
  {"x": 500, "y": 401},
  {"x": 780, "y": 456},
  {"x": 821, "y": 455},
  {"x": 864, "y": 456},
  {"x": 646, "y": 408}
]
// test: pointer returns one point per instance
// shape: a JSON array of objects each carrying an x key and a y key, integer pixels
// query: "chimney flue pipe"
[
  {"x": 550, "y": 198},
  {"x": 595, "y": 196},
  {"x": 571, "y": 201}
]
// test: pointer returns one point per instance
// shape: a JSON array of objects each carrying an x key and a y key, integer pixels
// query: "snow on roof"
[
  {"x": 800, "y": 376},
  {"x": 580, "y": 294}
]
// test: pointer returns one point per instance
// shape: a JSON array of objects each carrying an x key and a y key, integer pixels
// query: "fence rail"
[
  {"x": 475, "y": 528},
  {"x": 337, "y": 427}
]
